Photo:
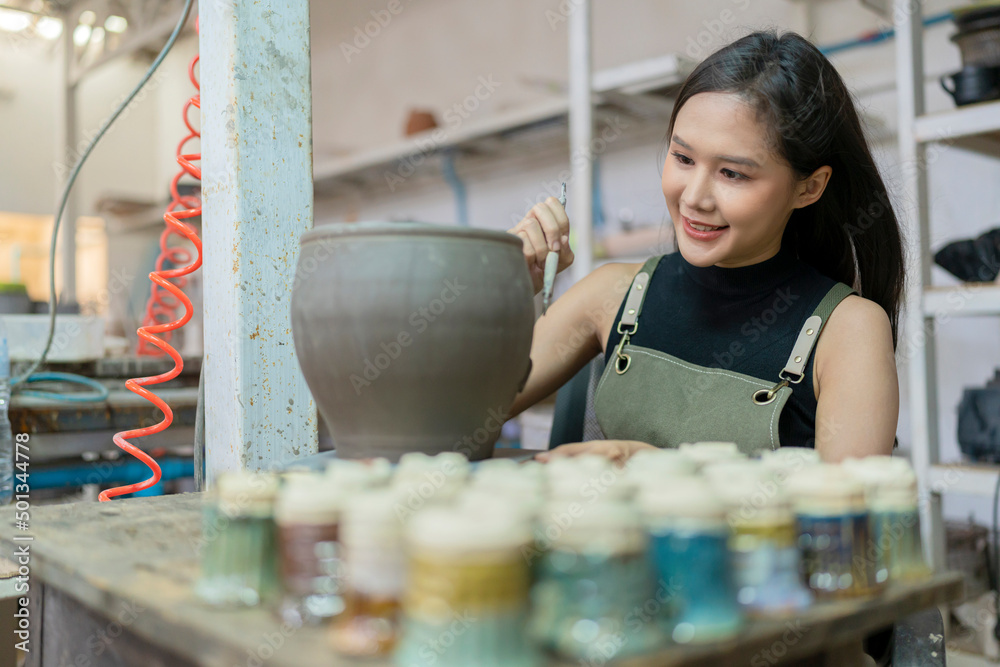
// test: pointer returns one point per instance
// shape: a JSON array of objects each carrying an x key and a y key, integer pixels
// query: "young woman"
[{"x": 784, "y": 231}]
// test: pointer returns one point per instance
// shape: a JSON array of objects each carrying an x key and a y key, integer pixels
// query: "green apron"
[{"x": 653, "y": 397}]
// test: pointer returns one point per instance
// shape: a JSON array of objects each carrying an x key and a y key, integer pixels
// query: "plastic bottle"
[{"x": 6, "y": 437}]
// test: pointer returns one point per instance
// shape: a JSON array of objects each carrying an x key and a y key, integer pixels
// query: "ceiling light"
[
  {"x": 81, "y": 35},
  {"x": 13, "y": 21},
  {"x": 88, "y": 18},
  {"x": 98, "y": 35},
  {"x": 48, "y": 27}
]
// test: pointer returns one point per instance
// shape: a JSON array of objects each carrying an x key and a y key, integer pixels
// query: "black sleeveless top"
[{"x": 744, "y": 320}]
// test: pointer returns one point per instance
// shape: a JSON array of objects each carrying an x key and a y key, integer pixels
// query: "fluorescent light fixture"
[
  {"x": 88, "y": 18},
  {"x": 13, "y": 21},
  {"x": 116, "y": 24},
  {"x": 81, "y": 35},
  {"x": 48, "y": 27}
]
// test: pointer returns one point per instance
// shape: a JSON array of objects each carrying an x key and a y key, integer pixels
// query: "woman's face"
[{"x": 728, "y": 195}]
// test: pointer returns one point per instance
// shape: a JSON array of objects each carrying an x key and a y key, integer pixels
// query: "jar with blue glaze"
[
  {"x": 593, "y": 584},
  {"x": 833, "y": 533},
  {"x": 689, "y": 540}
]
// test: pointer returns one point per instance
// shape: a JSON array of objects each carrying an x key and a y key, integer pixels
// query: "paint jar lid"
[
  {"x": 604, "y": 526},
  {"x": 479, "y": 499},
  {"x": 672, "y": 460},
  {"x": 241, "y": 492},
  {"x": 703, "y": 453},
  {"x": 373, "y": 516},
  {"x": 461, "y": 530},
  {"x": 419, "y": 465},
  {"x": 754, "y": 500},
  {"x": 890, "y": 482},
  {"x": 825, "y": 489},
  {"x": 681, "y": 498},
  {"x": 508, "y": 482},
  {"x": 354, "y": 475},
  {"x": 437, "y": 478},
  {"x": 588, "y": 484},
  {"x": 312, "y": 500},
  {"x": 719, "y": 473},
  {"x": 592, "y": 463},
  {"x": 786, "y": 461}
]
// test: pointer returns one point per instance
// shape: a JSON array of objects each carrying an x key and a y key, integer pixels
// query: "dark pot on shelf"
[
  {"x": 412, "y": 337},
  {"x": 973, "y": 84}
]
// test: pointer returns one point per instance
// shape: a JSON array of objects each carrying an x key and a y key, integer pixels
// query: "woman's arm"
[
  {"x": 573, "y": 331},
  {"x": 856, "y": 385}
]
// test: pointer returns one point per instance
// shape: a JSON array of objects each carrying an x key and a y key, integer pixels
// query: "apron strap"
[
  {"x": 637, "y": 294},
  {"x": 794, "y": 370}
]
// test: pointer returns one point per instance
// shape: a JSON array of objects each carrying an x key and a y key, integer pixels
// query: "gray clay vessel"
[{"x": 412, "y": 337}]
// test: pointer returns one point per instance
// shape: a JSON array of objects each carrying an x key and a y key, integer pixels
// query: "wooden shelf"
[
  {"x": 967, "y": 299},
  {"x": 981, "y": 119},
  {"x": 968, "y": 479},
  {"x": 641, "y": 90}
]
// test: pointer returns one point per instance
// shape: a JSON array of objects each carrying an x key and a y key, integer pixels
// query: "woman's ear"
[{"x": 811, "y": 188}]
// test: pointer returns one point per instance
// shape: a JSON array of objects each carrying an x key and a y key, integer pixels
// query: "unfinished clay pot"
[{"x": 412, "y": 337}]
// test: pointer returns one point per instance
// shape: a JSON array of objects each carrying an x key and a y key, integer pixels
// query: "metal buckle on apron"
[
  {"x": 765, "y": 396},
  {"x": 619, "y": 355}
]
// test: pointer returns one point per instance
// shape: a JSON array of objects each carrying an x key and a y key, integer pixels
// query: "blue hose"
[
  {"x": 99, "y": 393},
  {"x": 876, "y": 37}
]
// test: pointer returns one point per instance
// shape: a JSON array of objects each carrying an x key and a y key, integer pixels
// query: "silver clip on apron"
[{"x": 653, "y": 397}]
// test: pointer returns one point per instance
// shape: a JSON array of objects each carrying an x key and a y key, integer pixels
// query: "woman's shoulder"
[{"x": 857, "y": 335}]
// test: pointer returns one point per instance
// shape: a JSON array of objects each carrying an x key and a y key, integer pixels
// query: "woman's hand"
[
  {"x": 619, "y": 451},
  {"x": 544, "y": 228}
]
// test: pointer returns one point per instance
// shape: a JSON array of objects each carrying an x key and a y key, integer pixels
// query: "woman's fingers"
[
  {"x": 574, "y": 449},
  {"x": 552, "y": 218},
  {"x": 539, "y": 250}
]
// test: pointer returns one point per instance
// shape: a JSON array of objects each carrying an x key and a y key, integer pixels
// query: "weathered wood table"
[{"x": 111, "y": 585}]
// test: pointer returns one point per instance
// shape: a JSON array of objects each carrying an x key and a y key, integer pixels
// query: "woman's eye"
[
  {"x": 683, "y": 159},
  {"x": 733, "y": 175}
]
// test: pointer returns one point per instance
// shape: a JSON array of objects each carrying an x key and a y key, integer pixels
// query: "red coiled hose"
[{"x": 165, "y": 297}]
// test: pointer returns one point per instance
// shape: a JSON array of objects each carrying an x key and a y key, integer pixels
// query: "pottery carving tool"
[{"x": 551, "y": 265}]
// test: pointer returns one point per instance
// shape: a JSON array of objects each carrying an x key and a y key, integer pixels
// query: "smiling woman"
[{"x": 766, "y": 163}]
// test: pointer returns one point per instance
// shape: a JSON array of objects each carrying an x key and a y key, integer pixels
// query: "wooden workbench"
[{"x": 113, "y": 584}]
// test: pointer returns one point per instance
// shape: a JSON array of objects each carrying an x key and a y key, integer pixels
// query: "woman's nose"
[{"x": 697, "y": 194}]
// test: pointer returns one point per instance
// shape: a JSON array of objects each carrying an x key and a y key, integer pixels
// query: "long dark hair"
[{"x": 851, "y": 234}]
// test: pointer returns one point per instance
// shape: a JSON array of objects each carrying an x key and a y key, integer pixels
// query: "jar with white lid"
[
  {"x": 592, "y": 574},
  {"x": 892, "y": 499},
  {"x": 703, "y": 453},
  {"x": 763, "y": 546},
  {"x": 238, "y": 562},
  {"x": 307, "y": 514},
  {"x": 371, "y": 540},
  {"x": 689, "y": 545},
  {"x": 587, "y": 479},
  {"x": 833, "y": 531},
  {"x": 467, "y": 589}
]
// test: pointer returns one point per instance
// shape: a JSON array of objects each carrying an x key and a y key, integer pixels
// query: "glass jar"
[
  {"x": 689, "y": 540},
  {"x": 372, "y": 551},
  {"x": 764, "y": 543},
  {"x": 466, "y": 600},
  {"x": 593, "y": 582},
  {"x": 238, "y": 563},
  {"x": 307, "y": 514},
  {"x": 833, "y": 532},
  {"x": 894, "y": 517}
]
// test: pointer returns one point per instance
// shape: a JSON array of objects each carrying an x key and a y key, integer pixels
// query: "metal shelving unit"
[{"x": 978, "y": 127}]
